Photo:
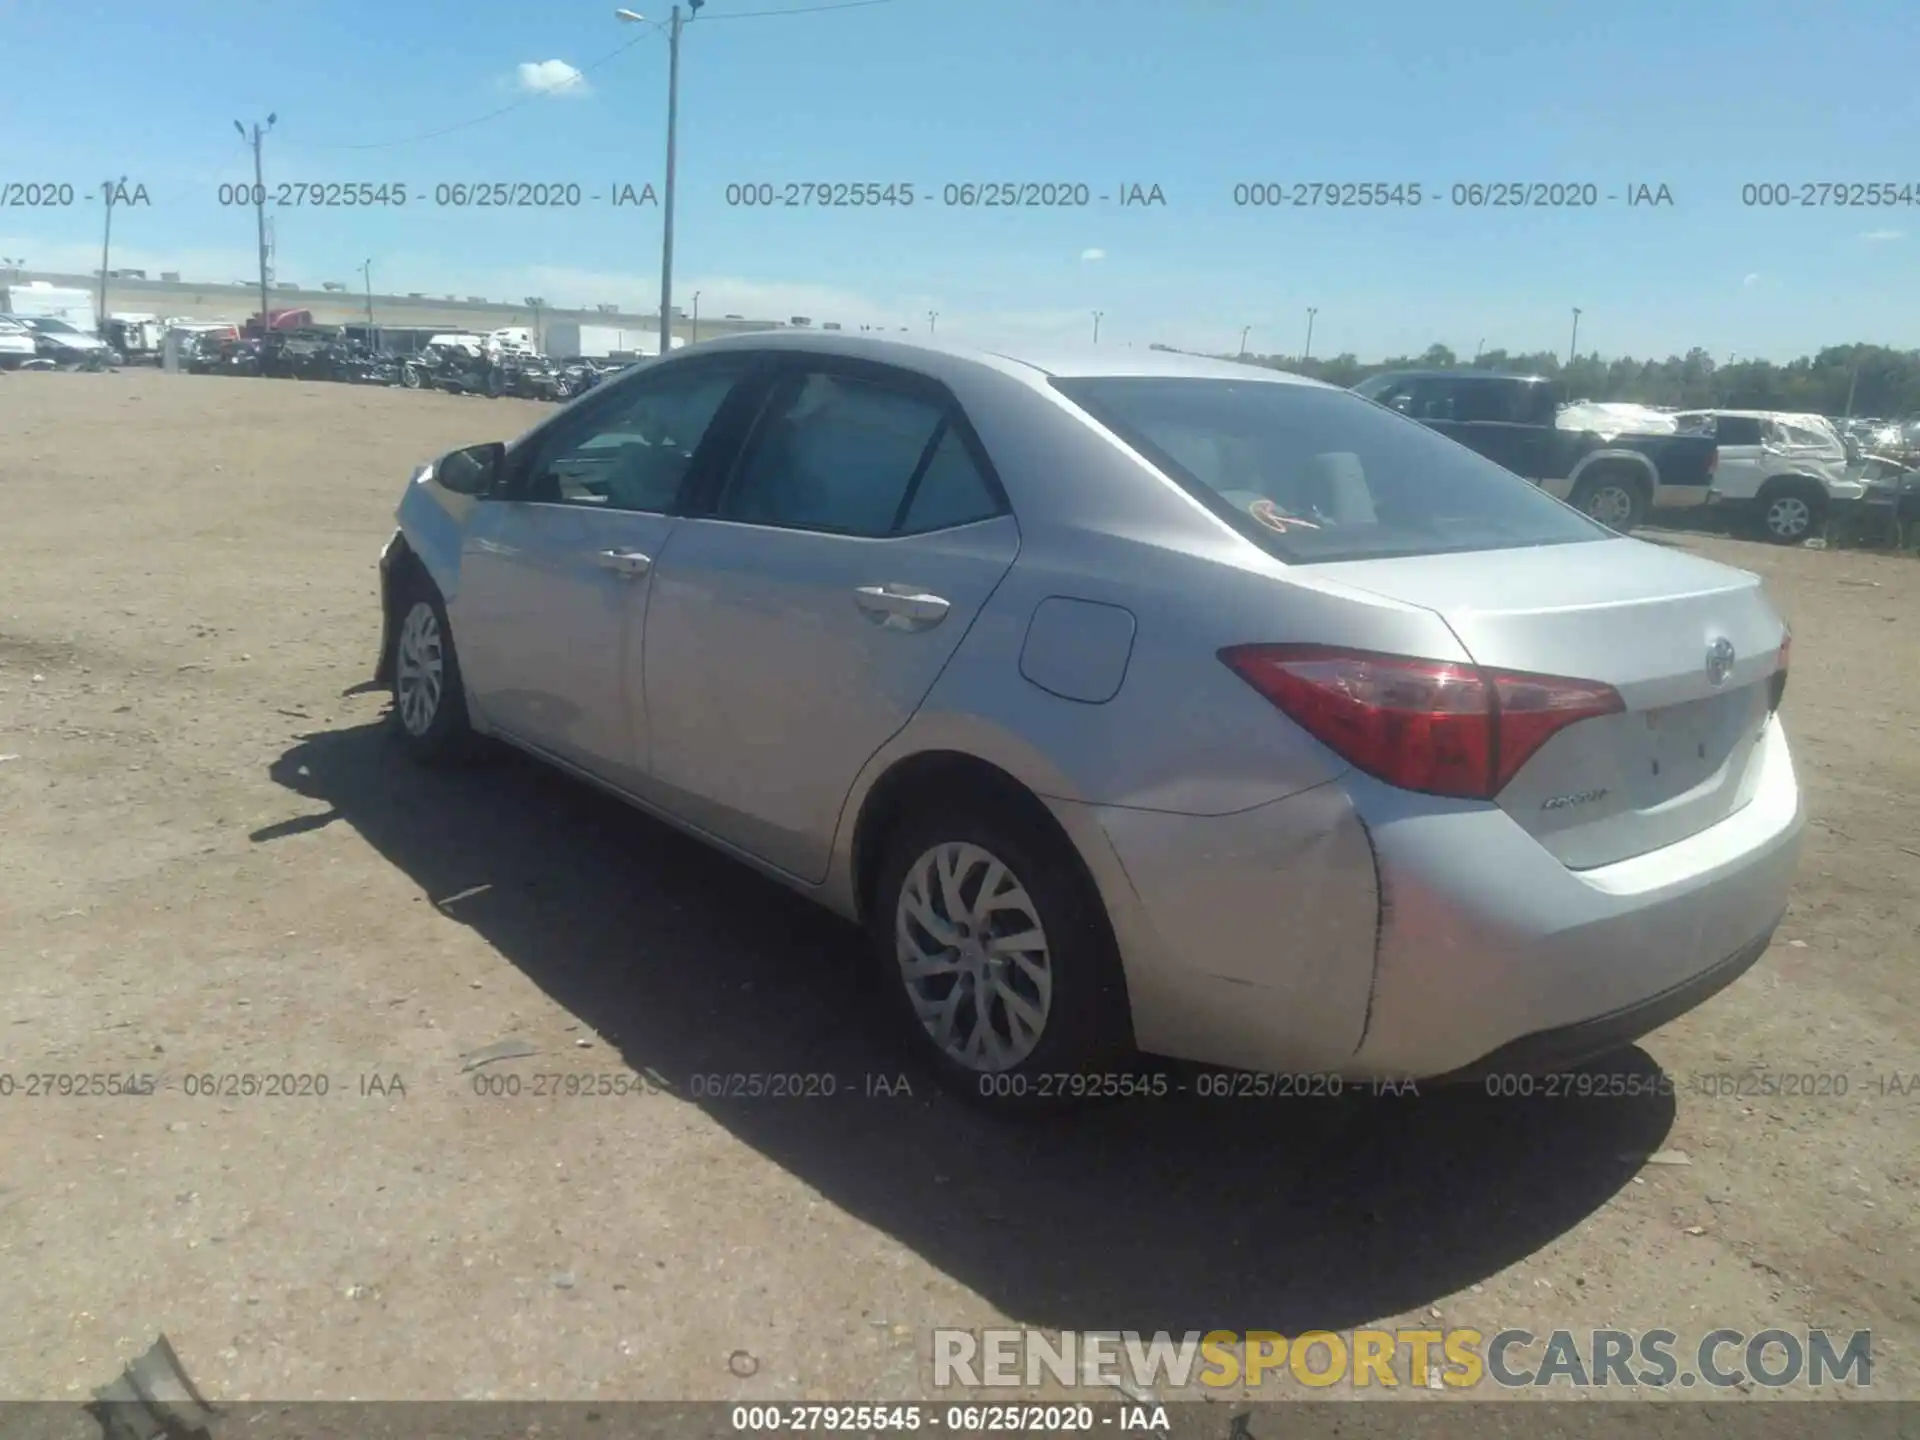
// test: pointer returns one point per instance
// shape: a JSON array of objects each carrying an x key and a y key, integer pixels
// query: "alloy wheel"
[
  {"x": 1788, "y": 517},
  {"x": 420, "y": 669},
  {"x": 1611, "y": 505},
  {"x": 973, "y": 956}
]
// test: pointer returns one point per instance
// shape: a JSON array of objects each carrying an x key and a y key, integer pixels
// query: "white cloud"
[
  {"x": 1093, "y": 254},
  {"x": 1751, "y": 280},
  {"x": 552, "y": 77},
  {"x": 1884, "y": 235}
]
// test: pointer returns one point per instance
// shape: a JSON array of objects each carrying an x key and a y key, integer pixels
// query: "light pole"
[
  {"x": 14, "y": 263},
  {"x": 260, "y": 217},
  {"x": 107, "y": 189},
  {"x": 933, "y": 318},
  {"x": 666, "y": 199},
  {"x": 694, "y": 339},
  {"x": 1307, "y": 354},
  {"x": 534, "y": 302},
  {"x": 1245, "y": 330},
  {"x": 366, "y": 270},
  {"x": 1573, "y": 345},
  {"x": 1098, "y": 315}
]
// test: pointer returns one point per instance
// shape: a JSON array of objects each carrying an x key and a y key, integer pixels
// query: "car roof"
[{"x": 1024, "y": 359}]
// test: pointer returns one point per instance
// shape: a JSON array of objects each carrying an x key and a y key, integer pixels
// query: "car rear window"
[{"x": 1315, "y": 474}]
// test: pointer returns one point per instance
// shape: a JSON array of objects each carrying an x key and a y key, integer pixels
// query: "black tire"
[
  {"x": 411, "y": 377},
  {"x": 1790, "y": 512},
  {"x": 1615, "y": 497},
  {"x": 442, "y": 734},
  {"x": 1085, "y": 1032}
]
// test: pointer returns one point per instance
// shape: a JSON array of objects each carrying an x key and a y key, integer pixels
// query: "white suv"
[{"x": 1783, "y": 471}]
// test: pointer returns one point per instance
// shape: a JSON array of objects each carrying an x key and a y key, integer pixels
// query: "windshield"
[
  {"x": 1315, "y": 474},
  {"x": 53, "y": 327}
]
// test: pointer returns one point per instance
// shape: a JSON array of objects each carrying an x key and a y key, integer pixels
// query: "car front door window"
[{"x": 633, "y": 453}]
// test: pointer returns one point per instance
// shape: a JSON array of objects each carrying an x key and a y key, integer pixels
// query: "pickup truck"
[{"x": 1573, "y": 452}]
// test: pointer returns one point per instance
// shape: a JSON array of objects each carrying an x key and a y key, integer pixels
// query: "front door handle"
[
  {"x": 629, "y": 563},
  {"x": 901, "y": 607}
]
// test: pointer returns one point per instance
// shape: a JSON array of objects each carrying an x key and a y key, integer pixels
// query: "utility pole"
[
  {"x": 1573, "y": 345},
  {"x": 933, "y": 317},
  {"x": 260, "y": 217},
  {"x": 1098, "y": 315},
  {"x": 694, "y": 339},
  {"x": 366, "y": 269},
  {"x": 534, "y": 302},
  {"x": 1245, "y": 330},
  {"x": 108, "y": 190},
  {"x": 666, "y": 202},
  {"x": 1307, "y": 354},
  {"x": 666, "y": 199}
]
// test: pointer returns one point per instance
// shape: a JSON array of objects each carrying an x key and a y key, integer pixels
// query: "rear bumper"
[
  {"x": 1360, "y": 930},
  {"x": 1547, "y": 1051},
  {"x": 1487, "y": 941}
]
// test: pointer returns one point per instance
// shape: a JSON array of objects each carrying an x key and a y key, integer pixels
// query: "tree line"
[{"x": 1839, "y": 380}]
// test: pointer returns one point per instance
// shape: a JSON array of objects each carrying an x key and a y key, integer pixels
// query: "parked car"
[
  {"x": 1780, "y": 472},
  {"x": 1519, "y": 421},
  {"x": 67, "y": 346},
  {"x": 17, "y": 344},
  {"x": 1131, "y": 704}
]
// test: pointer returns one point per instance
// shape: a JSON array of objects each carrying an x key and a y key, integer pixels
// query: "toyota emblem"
[{"x": 1719, "y": 661}]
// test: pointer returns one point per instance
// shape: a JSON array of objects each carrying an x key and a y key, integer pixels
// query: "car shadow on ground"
[{"x": 1178, "y": 1214}]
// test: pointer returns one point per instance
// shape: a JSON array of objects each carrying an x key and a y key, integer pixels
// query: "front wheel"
[
  {"x": 996, "y": 954},
  {"x": 429, "y": 701},
  {"x": 1615, "y": 501}
]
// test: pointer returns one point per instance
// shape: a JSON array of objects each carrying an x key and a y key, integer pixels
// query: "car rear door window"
[
  {"x": 839, "y": 453},
  {"x": 1312, "y": 473},
  {"x": 1737, "y": 430}
]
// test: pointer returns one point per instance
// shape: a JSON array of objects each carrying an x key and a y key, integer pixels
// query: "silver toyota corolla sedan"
[{"x": 1130, "y": 703}]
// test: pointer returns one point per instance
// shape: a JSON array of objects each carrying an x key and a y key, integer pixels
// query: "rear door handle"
[
  {"x": 629, "y": 563},
  {"x": 901, "y": 607}
]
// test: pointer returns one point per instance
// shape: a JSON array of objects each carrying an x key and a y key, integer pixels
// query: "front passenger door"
[{"x": 798, "y": 620}]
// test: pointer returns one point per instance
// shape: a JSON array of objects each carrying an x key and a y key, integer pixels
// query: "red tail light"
[
  {"x": 1427, "y": 725},
  {"x": 1713, "y": 461}
]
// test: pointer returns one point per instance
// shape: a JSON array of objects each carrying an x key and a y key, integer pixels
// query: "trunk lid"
[{"x": 1644, "y": 619}]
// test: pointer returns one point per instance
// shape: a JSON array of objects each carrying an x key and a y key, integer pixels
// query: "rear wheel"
[
  {"x": 411, "y": 377},
  {"x": 1789, "y": 513},
  {"x": 997, "y": 958},
  {"x": 429, "y": 702},
  {"x": 1615, "y": 498}
]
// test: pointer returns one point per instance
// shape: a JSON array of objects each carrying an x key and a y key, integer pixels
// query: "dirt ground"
[{"x": 211, "y": 864}]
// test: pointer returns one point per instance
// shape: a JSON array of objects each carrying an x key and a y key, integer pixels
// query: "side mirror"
[{"x": 472, "y": 471}]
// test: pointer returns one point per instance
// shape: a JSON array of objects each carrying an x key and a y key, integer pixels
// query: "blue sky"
[{"x": 1191, "y": 95}]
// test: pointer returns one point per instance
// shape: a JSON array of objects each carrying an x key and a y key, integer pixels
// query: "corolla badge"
[{"x": 1719, "y": 661}]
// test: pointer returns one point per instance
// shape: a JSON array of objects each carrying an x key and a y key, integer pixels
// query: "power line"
[
  {"x": 504, "y": 109},
  {"x": 652, "y": 25},
  {"x": 800, "y": 10}
]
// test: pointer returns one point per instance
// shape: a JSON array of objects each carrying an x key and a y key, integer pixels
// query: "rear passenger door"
[
  {"x": 802, "y": 609},
  {"x": 1743, "y": 457}
]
